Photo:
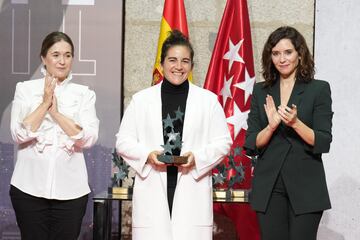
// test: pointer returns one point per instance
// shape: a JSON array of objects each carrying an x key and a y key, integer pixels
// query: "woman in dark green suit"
[{"x": 289, "y": 127}]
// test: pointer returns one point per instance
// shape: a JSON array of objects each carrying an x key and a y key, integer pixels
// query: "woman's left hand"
[
  {"x": 288, "y": 115},
  {"x": 185, "y": 168}
]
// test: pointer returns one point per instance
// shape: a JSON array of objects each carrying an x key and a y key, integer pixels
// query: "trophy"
[
  {"x": 173, "y": 141},
  {"x": 224, "y": 184},
  {"x": 122, "y": 174}
]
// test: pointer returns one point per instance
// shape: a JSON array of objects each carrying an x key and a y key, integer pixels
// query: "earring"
[{"x": 43, "y": 70}]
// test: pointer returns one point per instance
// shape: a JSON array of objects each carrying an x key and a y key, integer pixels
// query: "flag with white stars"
[
  {"x": 231, "y": 72},
  {"x": 231, "y": 76}
]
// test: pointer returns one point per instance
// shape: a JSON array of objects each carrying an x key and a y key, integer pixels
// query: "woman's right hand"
[
  {"x": 49, "y": 87},
  {"x": 153, "y": 160},
  {"x": 272, "y": 113}
]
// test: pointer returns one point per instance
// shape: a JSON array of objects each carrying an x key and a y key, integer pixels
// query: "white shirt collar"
[{"x": 63, "y": 83}]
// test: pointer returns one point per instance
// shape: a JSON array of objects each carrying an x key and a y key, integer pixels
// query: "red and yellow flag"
[{"x": 174, "y": 17}]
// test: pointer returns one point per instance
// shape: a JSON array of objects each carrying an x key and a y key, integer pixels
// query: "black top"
[{"x": 173, "y": 99}]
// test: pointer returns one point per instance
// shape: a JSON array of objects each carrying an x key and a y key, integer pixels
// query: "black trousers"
[
  {"x": 279, "y": 222},
  {"x": 46, "y": 219}
]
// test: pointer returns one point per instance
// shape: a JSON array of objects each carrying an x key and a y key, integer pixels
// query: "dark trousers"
[
  {"x": 46, "y": 219},
  {"x": 279, "y": 222}
]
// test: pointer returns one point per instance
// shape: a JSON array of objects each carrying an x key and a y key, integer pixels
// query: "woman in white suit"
[{"x": 173, "y": 202}]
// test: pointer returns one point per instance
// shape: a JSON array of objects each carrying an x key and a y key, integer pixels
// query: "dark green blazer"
[{"x": 300, "y": 164}]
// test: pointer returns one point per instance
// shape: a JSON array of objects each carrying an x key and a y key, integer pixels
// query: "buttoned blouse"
[{"x": 49, "y": 163}]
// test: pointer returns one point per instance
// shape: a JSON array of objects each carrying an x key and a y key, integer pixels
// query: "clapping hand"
[
  {"x": 49, "y": 87},
  {"x": 288, "y": 115},
  {"x": 272, "y": 114},
  {"x": 53, "y": 108}
]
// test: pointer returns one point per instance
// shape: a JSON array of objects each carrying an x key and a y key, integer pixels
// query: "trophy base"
[
  {"x": 180, "y": 160},
  {"x": 230, "y": 195},
  {"x": 120, "y": 190},
  {"x": 170, "y": 159}
]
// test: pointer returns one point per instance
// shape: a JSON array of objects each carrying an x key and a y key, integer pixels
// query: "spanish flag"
[{"x": 174, "y": 17}]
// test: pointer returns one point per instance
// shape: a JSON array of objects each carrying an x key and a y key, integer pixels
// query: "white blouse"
[{"x": 49, "y": 163}]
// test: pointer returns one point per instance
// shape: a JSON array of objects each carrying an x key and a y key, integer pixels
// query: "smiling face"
[
  {"x": 285, "y": 58},
  {"x": 58, "y": 60},
  {"x": 177, "y": 64}
]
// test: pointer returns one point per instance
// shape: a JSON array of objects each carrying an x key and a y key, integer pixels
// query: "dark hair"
[
  {"x": 53, "y": 38},
  {"x": 176, "y": 38},
  {"x": 305, "y": 69}
]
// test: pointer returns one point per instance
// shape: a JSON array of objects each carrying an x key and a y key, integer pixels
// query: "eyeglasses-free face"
[
  {"x": 177, "y": 64},
  {"x": 285, "y": 58},
  {"x": 58, "y": 60}
]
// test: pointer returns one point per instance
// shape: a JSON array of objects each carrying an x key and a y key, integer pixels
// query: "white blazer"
[{"x": 205, "y": 134}]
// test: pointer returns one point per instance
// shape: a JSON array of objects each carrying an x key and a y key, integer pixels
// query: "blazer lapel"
[
  {"x": 156, "y": 105},
  {"x": 296, "y": 94},
  {"x": 189, "y": 114},
  {"x": 274, "y": 91},
  {"x": 295, "y": 98}
]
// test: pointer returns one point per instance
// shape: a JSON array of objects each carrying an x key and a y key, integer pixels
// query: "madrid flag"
[
  {"x": 174, "y": 17},
  {"x": 231, "y": 76}
]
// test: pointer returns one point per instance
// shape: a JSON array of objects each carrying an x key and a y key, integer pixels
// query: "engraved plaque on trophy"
[{"x": 173, "y": 142}]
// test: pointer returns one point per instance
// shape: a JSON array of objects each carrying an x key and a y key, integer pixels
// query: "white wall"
[{"x": 337, "y": 58}]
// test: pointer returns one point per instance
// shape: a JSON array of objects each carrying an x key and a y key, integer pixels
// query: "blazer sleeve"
[
  {"x": 322, "y": 121},
  {"x": 127, "y": 144},
  {"x": 254, "y": 124},
  {"x": 218, "y": 144}
]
